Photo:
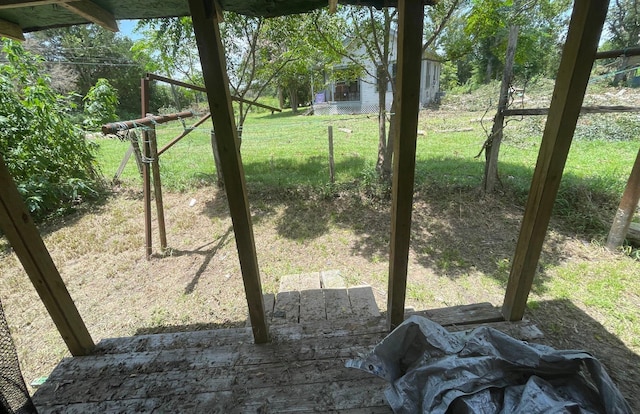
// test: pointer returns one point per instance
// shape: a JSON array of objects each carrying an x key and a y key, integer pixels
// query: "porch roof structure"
[{"x": 17, "y": 17}]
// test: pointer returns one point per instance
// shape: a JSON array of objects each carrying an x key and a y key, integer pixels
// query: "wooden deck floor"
[{"x": 314, "y": 330}]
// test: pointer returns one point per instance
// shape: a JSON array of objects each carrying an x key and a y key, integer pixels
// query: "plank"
[
  {"x": 410, "y": 16},
  {"x": 177, "y": 340},
  {"x": 331, "y": 279},
  {"x": 157, "y": 186},
  {"x": 11, "y": 30},
  {"x": 337, "y": 304},
  {"x": 213, "y": 62},
  {"x": 309, "y": 281},
  {"x": 464, "y": 314},
  {"x": 22, "y": 233},
  {"x": 312, "y": 305},
  {"x": 287, "y": 308},
  {"x": 289, "y": 283},
  {"x": 522, "y": 330},
  {"x": 92, "y": 12},
  {"x": 573, "y": 75},
  {"x": 363, "y": 303}
]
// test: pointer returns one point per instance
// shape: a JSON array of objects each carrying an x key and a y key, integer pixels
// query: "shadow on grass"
[
  {"x": 455, "y": 229},
  {"x": 566, "y": 326}
]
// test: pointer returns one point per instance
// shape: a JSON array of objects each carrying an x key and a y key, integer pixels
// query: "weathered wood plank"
[
  {"x": 287, "y": 307},
  {"x": 464, "y": 314},
  {"x": 363, "y": 303},
  {"x": 523, "y": 330},
  {"x": 309, "y": 281},
  {"x": 622, "y": 220},
  {"x": 146, "y": 169},
  {"x": 11, "y": 30},
  {"x": 331, "y": 279},
  {"x": 337, "y": 304},
  {"x": 312, "y": 305},
  {"x": 177, "y": 340},
  {"x": 289, "y": 283},
  {"x": 410, "y": 22},
  {"x": 573, "y": 75},
  {"x": 213, "y": 62},
  {"x": 22, "y": 233}
]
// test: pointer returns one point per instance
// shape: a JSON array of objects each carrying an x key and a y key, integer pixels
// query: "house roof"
[{"x": 18, "y": 16}]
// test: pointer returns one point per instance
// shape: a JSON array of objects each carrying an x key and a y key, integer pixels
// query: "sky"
[{"x": 126, "y": 29}]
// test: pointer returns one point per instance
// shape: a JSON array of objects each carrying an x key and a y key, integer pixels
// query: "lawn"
[{"x": 461, "y": 247}]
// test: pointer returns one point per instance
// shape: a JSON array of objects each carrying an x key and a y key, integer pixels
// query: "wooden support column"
[
  {"x": 18, "y": 227},
  {"x": 157, "y": 186},
  {"x": 575, "y": 67},
  {"x": 410, "y": 16},
  {"x": 205, "y": 26},
  {"x": 146, "y": 169},
  {"x": 628, "y": 204}
]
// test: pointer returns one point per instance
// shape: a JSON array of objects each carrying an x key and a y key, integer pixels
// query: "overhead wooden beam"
[
  {"x": 92, "y": 12},
  {"x": 573, "y": 75},
  {"x": 11, "y": 30},
  {"x": 207, "y": 31},
  {"x": 18, "y": 227},
  {"x": 410, "y": 16}
]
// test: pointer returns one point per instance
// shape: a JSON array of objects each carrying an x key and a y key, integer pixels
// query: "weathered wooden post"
[
  {"x": 157, "y": 185},
  {"x": 624, "y": 215},
  {"x": 146, "y": 176},
  {"x": 332, "y": 176}
]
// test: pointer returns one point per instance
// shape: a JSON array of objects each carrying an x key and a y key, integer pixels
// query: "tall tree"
[{"x": 93, "y": 53}]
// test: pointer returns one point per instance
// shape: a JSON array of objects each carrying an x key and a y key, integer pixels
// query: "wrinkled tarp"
[{"x": 432, "y": 370}]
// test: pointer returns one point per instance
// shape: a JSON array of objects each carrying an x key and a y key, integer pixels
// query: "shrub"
[
  {"x": 100, "y": 104},
  {"x": 53, "y": 165}
]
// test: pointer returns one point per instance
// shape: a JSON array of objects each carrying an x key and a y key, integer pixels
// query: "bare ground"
[{"x": 461, "y": 248}]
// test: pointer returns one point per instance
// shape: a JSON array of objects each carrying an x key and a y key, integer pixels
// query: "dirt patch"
[{"x": 462, "y": 245}]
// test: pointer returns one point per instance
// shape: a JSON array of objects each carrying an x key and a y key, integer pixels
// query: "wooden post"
[
  {"x": 135, "y": 144},
  {"x": 205, "y": 26},
  {"x": 157, "y": 185},
  {"x": 146, "y": 175},
  {"x": 410, "y": 16},
  {"x": 18, "y": 227},
  {"x": 628, "y": 204},
  {"x": 332, "y": 175},
  {"x": 575, "y": 67},
  {"x": 492, "y": 148}
]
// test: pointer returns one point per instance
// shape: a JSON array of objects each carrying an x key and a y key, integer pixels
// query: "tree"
[
  {"x": 100, "y": 104},
  {"x": 478, "y": 35},
  {"x": 623, "y": 23},
  {"x": 53, "y": 165},
  {"x": 93, "y": 53}
]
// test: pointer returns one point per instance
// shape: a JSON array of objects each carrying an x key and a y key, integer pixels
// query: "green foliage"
[
  {"x": 100, "y": 104},
  {"x": 46, "y": 154}
]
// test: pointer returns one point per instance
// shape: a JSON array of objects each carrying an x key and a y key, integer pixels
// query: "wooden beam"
[
  {"x": 410, "y": 16},
  {"x": 205, "y": 26},
  {"x": 11, "y": 30},
  {"x": 603, "y": 109},
  {"x": 573, "y": 75},
  {"x": 92, "y": 12},
  {"x": 627, "y": 207},
  {"x": 146, "y": 169},
  {"x": 627, "y": 51},
  {"x": 18, "y": 227},
  {"x": 15, "y": 4}
]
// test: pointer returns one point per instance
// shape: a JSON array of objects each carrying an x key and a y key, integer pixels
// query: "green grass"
[{"x": 288, "y": 151}]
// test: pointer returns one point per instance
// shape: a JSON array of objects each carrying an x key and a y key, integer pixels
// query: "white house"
[{"x": 360, "y": 96}]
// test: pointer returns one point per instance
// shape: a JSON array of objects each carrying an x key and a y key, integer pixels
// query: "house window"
[{"x": 347, "y": 91}]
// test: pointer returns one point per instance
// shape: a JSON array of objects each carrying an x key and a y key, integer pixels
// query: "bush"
[
  {"x": 100, "y": 104},
  {"x": 53, "y": 165}
]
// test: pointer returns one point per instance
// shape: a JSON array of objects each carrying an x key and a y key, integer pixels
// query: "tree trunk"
[
  {"x": 280, "y": 98},
  {"x": 382, "y": 122},
  {"x": 293, "y": 99},
  {"x": 492, "y": 146},
  {"x": 387, "y": 166}
]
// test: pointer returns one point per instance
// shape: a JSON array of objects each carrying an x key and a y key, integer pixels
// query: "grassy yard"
[{"x": 461, "y": 248}]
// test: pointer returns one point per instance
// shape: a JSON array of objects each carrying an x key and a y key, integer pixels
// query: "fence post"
[
  {"x": 331, "y": 162},
  {"x": 627, "y": 207},
  {"x": 157, "y": 185}
]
